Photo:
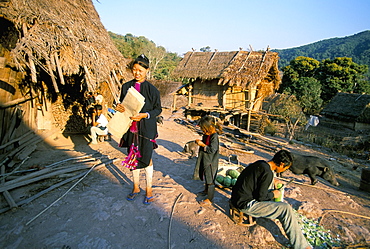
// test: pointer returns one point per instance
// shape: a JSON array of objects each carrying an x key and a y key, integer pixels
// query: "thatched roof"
[
  {"x": 349, "y": 107},
  {"x": 69, "y": 30},
  {"x": 240, "y": 68}
]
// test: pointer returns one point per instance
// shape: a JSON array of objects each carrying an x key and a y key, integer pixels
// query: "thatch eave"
[{"x": 71, "y": 30}]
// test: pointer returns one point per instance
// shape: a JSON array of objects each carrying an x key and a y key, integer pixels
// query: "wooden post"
[
  {"x": 189, "y": 95},
  {"x": 112, "y": 89},
  {"x": 60, "y": 71},
  {"x": 90, "y": 85},
  {"x": 32, "y": 67},
  {"x": 52, "y": 76},
  {"x": 174, "y": 102}
]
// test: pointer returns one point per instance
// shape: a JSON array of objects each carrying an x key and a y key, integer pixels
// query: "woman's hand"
[
  {"x": 120, "y": 108},
  {"x": 200, "y": 143},
  {"x": 139, "y": 116}
]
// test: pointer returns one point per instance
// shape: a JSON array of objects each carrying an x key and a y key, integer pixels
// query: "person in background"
[
  {"x": 99, "y": 124},
  {"x": 206, "y": 166},
  {"x": 252, "y": 196},
  {"x": 143, "y": 130}
]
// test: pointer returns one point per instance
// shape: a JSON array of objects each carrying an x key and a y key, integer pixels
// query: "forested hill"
[{"x": 356, "y": 47}]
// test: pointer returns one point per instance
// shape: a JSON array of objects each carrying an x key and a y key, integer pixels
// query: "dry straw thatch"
[
  {"x": 349, "y": 107},
  {"x": 67, "y": 34},
  {"x": 236, "y": 68},
  {"x": 51, "y": 53}
]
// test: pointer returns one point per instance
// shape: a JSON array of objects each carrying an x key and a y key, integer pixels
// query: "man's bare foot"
[{"x": 205, "y": 202}]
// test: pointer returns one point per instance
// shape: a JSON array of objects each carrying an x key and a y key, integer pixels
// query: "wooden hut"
[
  {"x": 236, "y": 81},
  {"x": 51, "y": 53},
  {"x": 350, "y": 110}
]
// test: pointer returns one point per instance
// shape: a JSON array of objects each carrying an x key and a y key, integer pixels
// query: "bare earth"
[{"x": 95, "y": 212}]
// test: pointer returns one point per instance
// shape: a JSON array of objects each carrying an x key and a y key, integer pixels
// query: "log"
[{"x": 15, "y": 102}]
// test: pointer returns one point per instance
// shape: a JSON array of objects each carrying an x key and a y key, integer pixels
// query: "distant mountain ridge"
[{"x": 355, "y": 46}]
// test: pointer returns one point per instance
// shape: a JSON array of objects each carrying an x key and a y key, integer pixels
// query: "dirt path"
[{"x": 96, "y": 214}]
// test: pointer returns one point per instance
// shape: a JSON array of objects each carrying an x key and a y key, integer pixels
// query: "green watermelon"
[
  {"x": 227, "y": 181},
  {"x": 233, "y": 173},
  {"x": 279, "y": 185},
  {"x": 233, "y": 181},
  {"x": 220, "y": 179}
]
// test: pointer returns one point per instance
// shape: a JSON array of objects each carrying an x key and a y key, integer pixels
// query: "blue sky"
[{"x": 227, "y": 25}]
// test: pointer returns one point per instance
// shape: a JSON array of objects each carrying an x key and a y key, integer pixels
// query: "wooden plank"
[
  {"x": 9, "y": 186},
  {"x": 9, "y": 199}
]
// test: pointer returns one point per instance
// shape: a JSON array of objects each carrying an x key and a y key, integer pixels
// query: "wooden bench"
[
  {"x": 239, "y": 217},
  {"x": 102, "y": 138}
]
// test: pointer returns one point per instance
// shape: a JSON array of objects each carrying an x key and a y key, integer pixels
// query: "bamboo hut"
[
  {"x": 350, "y": 110},
  {"x": 230, "y": 82},
  {"x": 51, "y": 53}
]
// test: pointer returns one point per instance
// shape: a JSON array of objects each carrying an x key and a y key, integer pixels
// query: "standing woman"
[{"x": 143, "y": 130}]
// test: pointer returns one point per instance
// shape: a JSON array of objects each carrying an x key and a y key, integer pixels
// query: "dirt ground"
[{"x": 94, "y": 213}]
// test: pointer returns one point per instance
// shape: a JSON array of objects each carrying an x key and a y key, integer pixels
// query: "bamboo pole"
[
  {"x": 90, "y": 85},
  {"x": 52, "y": 76},
  {"x": 59, "y": 68}
]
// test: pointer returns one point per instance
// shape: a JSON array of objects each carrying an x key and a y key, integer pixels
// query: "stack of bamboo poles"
[{"x": 62, "y": 172}]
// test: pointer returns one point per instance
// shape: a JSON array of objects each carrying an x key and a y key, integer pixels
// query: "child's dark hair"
[
  {"x": 207, "y": 123},
  {"x": 142, "y": 60},
  {"x": 98, "y": 107},
  {"x": 283, "y": 156}
]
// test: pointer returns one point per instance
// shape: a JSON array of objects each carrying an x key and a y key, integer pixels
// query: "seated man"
[
  {"x": 252, "y": 196},
  {"x": 99, "y": 124}
]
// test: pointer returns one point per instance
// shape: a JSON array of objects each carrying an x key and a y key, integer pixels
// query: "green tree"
[
  {"x": 288, "y": 107},
  {"x": 162, "y": 63},
  {"x": 298, "y": 79},
  {"x": 341, "y": 74},
  {"x": 314, "y": 82},
  {"x": 308, "y": 94},
  {"x": 206, "y": 49}
]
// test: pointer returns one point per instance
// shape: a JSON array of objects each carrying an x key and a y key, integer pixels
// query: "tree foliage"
[
  {"x": 315, "y": 83},
  {"x": 162, "y": 62},
  {"x": 288, "y": 107},
  {"x": 205, "y": 49},
  {"x": 356, "y": 47}
]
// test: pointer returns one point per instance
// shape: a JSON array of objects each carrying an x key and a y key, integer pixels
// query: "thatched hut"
[
  {"x": 350, "y": 110},
  {"x": 230, "y": 80},
  {"x": 236, "y": 81},
  {"x": 51, "y": 53}
]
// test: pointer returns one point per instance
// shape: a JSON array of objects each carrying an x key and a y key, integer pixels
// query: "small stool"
[
  {"x": 102, "y": 138},
  {"x": 239, "y": 217}
]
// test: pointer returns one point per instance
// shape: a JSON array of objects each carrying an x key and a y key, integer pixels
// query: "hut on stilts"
[
  {"x": 51, "y": 53},
  {"x": 232, "y": 85}
]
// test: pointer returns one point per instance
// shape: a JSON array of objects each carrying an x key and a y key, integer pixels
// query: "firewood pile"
[
  {"x": 70, "y": 120},
  {"x": 51, "y": 176}
]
